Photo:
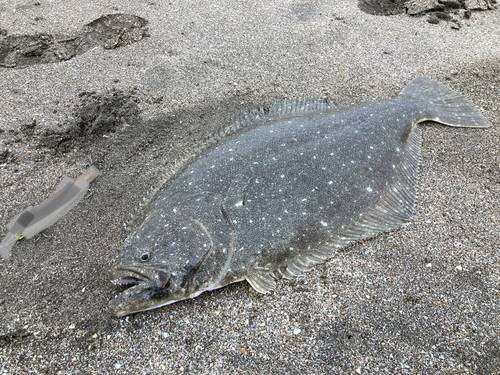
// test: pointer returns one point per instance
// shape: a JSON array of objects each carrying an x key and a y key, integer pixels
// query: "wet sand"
[{"x": 422, "y": 299}]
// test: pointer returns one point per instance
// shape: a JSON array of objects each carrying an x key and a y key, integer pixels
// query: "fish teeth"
[{"x": 125, "y": 281}]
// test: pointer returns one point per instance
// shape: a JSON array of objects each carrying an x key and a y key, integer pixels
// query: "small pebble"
[
  {"x": 458, "y": 268},
  {"x": 296, "y": 331},
  {"x": 433, "y": 19}
]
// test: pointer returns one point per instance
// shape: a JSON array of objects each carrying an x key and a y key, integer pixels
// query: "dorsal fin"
[
  {"x": 287, "y": 107},
  {"x": 281, "y": 109},
  {"x": 392, "y": 211}
]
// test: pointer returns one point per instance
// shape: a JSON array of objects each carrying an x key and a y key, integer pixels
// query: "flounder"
[{"x": 284, "y": 196}]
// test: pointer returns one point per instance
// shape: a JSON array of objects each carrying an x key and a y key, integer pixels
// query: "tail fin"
[{"x": 445, "y": 105}]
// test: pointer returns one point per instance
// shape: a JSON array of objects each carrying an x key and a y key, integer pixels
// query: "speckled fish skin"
[{"x": 277, "y": 200}]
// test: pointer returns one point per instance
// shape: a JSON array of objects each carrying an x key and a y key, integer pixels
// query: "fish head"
[{"x": 158, "y": 270}]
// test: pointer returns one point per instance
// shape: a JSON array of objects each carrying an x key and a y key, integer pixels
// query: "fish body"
[{"x": 284, "y": 196}]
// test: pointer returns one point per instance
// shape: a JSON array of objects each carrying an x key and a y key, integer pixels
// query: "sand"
[{"x": 422, "y": 299}]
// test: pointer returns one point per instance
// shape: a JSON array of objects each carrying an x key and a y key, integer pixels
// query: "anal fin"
[{"x": 393, "y": 210}]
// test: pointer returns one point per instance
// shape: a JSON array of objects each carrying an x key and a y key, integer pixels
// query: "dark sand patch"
[
  {"x": 110, "y": 31},
  {"x": 95, "y": 116}
]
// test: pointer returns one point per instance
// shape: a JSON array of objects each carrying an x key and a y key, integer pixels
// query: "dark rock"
[
  {"x": 480, "y": 4},
  {"x": 433, "y": 19},
  {"x": 4, "y": 153},
  {"x": 382, "y": 7},
  {"x": 451, "y": 4},
  {"x": 443, "y": 16}
]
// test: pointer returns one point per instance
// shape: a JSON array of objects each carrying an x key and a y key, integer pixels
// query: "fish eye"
[{"x": 145, "y": 257}]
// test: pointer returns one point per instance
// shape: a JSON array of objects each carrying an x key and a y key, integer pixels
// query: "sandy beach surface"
[{"x": 135, "y": 92}]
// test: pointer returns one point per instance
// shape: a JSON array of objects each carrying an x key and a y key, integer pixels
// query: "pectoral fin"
[{"x": 262, "y": 283}]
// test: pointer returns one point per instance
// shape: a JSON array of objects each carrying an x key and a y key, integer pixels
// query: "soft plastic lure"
[{"x": 35, "y": 219}]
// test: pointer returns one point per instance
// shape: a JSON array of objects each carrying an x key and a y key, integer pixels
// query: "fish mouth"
[
  {"x": 126, "y": 281},
  {"x": 145, "y": 286},
  {"x": 156, "y": 277}
]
